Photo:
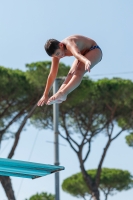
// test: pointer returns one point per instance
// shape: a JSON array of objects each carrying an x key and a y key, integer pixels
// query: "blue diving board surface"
[{"x": 9, "y": 167}]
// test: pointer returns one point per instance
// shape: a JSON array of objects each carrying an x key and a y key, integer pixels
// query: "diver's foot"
[{"x": 57, "y": 98}]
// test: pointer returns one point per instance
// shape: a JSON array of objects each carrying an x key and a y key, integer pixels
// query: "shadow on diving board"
[{"x": 9, "y": 167}]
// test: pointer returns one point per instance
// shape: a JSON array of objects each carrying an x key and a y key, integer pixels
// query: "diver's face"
[{"x": 59, "y": 53}]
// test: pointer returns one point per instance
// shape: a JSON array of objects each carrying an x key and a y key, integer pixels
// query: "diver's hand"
[
  {"x": 43, "y": 100},
  {"x": 87, "y": 65}
]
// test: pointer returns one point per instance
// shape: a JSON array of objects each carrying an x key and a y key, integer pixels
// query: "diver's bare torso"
[{"x": 83, "y": 43}]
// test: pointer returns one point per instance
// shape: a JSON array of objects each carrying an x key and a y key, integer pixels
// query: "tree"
[
  {"x": 106, "y": 105},
  {"x": 111, "y": 180},
  {"x": 42, "y": 196},
  {"x": 17, "y": 100},
  {"x": 92, "y": 109}
]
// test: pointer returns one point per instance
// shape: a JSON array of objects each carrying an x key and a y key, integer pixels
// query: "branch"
[
  {"x": 17, "y": 135},
  {"x": 79, "y": 126},
  {"x": 87, "y": 152},
  {"x": 105, "y": 151},
  {"x": 4, "y": 111},
  {"x": 86, "y": 176},
  {"x": 101, "y": 129},
  {"x": 65, "y": 138},
  {"x": 101, "y": 161},
  {"x": 105, "y": 193},
  {"x": 118, "y": 134},
  {"x": 89, "y": 140},
  {"x": 11, "y": 122},
  {"x": 68, "y": 138},
  {"x": 108, "y": 107}
]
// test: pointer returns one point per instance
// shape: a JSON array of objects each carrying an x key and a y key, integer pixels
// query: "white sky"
[{"x": 24, "y": 28}]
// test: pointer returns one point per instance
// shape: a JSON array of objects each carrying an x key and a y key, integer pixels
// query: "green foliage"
[
  {"x": 42, "y": 196},
  {"x": 13, "y": 83},
  {"x": 118, "y": 97},
  {"x": 115, "y": 180},
  {"x": 17, "y": 97},
  {"x": 111, "y": 180},
  {"x": 129, "y": 139},
  {"x": 75, "y": 186}
]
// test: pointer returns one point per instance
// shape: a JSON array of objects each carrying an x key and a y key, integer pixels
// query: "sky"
[{"x": 24, "y": 28}]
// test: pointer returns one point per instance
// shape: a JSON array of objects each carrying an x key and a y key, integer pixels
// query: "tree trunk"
[
  {"x": 95, "y": 193},
  {"x": 5, "y": 180},
  {"x": 7, "y": 185},
  {"x": 91, "y": 185}
]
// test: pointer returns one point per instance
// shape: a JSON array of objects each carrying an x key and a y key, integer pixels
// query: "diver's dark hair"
[{"x": 51, "y": 45}]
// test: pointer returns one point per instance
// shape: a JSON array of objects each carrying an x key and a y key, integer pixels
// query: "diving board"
[{"x": 9, "y": 167}]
